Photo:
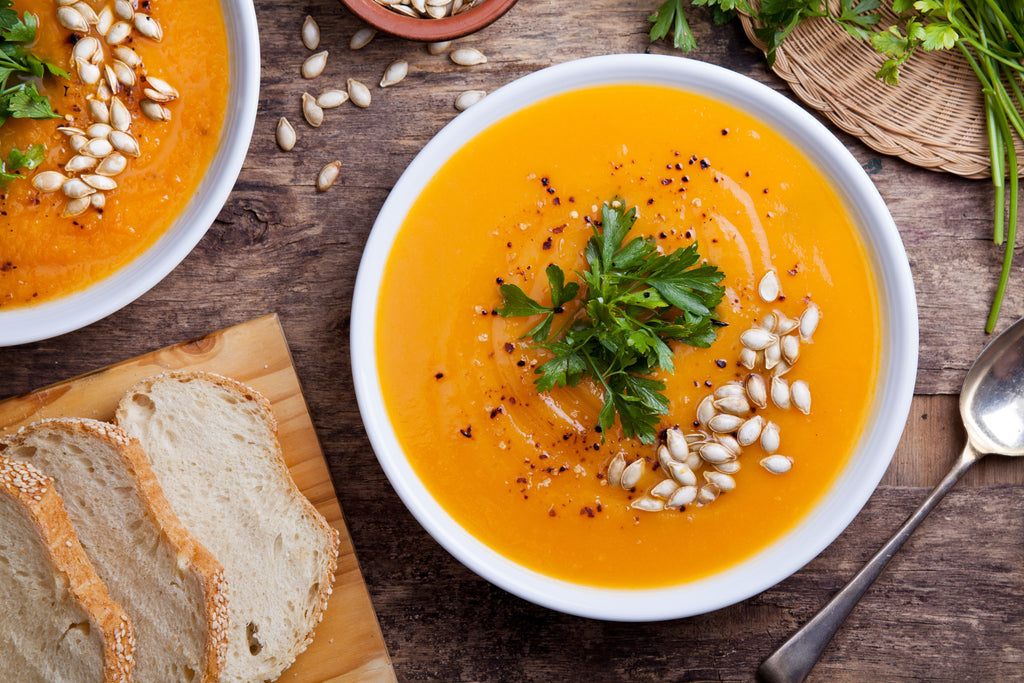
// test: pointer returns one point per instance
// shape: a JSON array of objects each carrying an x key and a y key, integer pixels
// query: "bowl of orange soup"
[
  {"x": 775, "y": 434},
  {"x": 154, "y": 122}
]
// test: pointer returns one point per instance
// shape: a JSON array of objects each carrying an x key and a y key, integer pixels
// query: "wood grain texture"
[
  {"x": 948, "y": 609},
  {"x": 348, "y": 641}
]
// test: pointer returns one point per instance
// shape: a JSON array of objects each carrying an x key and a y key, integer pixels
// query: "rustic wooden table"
[{"x": 948, "y": 608}]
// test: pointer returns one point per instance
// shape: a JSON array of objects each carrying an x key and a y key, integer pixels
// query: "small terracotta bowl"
[{"x": 429, "y": 30}]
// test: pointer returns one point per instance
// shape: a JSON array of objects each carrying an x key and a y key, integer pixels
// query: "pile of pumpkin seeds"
[
  {"x": 428, "y": 9},
  {"x": 727, "y": 421},
  {"x": 112, "y": 70},
  {"x": 356, "y": 92}
]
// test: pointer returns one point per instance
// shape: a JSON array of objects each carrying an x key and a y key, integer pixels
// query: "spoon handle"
[{"x": 797, "y": 656}]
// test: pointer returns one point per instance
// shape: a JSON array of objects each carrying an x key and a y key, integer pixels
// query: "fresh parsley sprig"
[
  {"x": 633, "y": 301},
  {"x": 19, "y": 97}
]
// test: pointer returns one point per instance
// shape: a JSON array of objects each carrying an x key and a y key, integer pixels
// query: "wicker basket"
[{"x": 934, "y": 118}]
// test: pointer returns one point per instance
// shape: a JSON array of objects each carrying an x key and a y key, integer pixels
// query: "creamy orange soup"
[
  {"x": 526, "y": 472},
  {"x": 44, "y": 255}
]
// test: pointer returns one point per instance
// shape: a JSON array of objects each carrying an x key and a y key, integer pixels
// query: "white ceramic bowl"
[
  {"x": 898, "y": 311},
  {"x": 42, "y": 321}
]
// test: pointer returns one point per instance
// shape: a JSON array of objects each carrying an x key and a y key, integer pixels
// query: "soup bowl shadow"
[
  {"x": 886, "y": 416},
  {"x": 79, "y": 309}
]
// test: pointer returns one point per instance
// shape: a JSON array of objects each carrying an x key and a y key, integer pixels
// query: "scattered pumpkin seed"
[
  {"x": 75, "y": 188},
  {"x": 330, "y": 99},
  {"x": 98, "y": 200},
  {"x": 120, "y": 117},
  {"x": 79, "y": 163},
  {"x": 467, "y": 99},
  {"x": 285, "y": 135},
  {"x": 777, "y": 464},
  {"x": 631, "y": 475},
  {"x": 314, "y": 65},
  {"x": 148, "y": 27},
  {"x": 124, "y": 143},
  {"x": 118, "y": 33},
  {"x": 104, "y": 20},
  {"x": 361, "y": 38},
  {"x": 98, "y": 111},
  {"x": 72, "y": 20},
  {"x": 328, "y": 174},
  {"x": 769, "y": 287},
  {"x": 99, "y": 182},
  {"x": 154, "y": 111},
  {"x": 311, "y": 110},
  {"x": 615, "y": 468},
  {"x": 48, "y": 181},
  {"x": 809, "y": 321},
  {"x": 310, "y": 33},
  {"x": 439, "y": 47},
  {"x": 76, "y": 207},
  {"x": 800, "y": 394},
  {"x": 770, "y": 437},
  {"x": 358, "y": 93},
  {"x": 396, "y": 71},
  {"x": 112, "y": 165},
  {"x": 648, "y": 504},
  {"x": 467, "y": 56}
]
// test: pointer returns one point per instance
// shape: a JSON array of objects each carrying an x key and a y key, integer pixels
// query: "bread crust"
[
  {"x": 265, "y": 410},
  {"x": 190, "y": 552},
  {"x": 36, "y": 493}
]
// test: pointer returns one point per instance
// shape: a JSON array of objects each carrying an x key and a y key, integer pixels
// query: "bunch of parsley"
[
  {"x": 632, "y": 302},
  {"x": 989, "y": 33},
  {"x": 19, "y": 97}
]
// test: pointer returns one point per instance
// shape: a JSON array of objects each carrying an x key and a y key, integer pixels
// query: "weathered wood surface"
[{"x": 950, "y": 606}]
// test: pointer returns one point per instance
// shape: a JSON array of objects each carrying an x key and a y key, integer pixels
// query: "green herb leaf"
[{"x": 633, "y": 301}]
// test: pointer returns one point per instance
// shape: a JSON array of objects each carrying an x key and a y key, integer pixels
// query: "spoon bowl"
[{"x": 992, "y": 410}]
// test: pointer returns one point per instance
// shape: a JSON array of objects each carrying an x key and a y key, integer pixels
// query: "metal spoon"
[{"x": 992, "y": 409}]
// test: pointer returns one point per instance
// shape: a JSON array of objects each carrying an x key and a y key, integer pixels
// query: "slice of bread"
[
  {"x": 58, "y": 624},
  {"x": 213, "y": 445},
  {"x": 171, "y": 587}
]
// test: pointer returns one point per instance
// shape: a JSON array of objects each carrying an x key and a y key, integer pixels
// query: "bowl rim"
[
  {"x": 896, "y": 374},
  {"x": 79, "y": 309},
  {"x": 429, "y": 30}
]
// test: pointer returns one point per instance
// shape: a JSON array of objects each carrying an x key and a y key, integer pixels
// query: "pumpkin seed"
[
  {"x": 125, "y": 74},
  {"x": 705, "y": 410},
  {"x": 97, "y": 147},
  {"x": 648, "y": 504},
  {"x": 48, "y": 181},
  {"x": 730, "y": 443},
  {"x": 112, "y": 165},
  {"x": 358, "y": 93},
  {"x": 100, "y": 182},
  {"x": 715, "y": 453},
  {"x": 768, "y": 322},
  {"x": 439, "y": 47},
  {"x": 809, "y": 321},
  {"x": 707, "y": 494},
  {"x": 467, "y": 56},
  {"x": 724, "y": 482},
  {"x": 684, "y": 495},
  {"x": 615, "y": 468},
  {"x": 76, "y": 207},
  {"x": 88, "y": 72},
  {"x": 75, "y": 188},
  {"x": 790, "y": 348},
  {"x": 724, "y": 423},
  {"x": 361, "y": 38},
  {"x": 728, "y": 467},
  {"x": 127, "y": 55},
  {"x": 748, "y": 358},
  {"x": 395, "y": 72},
  {"x": 734, "y": 405},
  {"x": 328, "y": 174},
  {"x": 769, "y": 287},
  {"x": 777, "y": 464},
  {"x": 780, "y": 392},
  {"x": 770, "y": 437},
  {"x": 148, "y": 26},
  {"x": 757, "y": 339},
  {"x": 154, "y": 111},
  {"x": 314, "y": 65},
  {"x": 756, "y": 389},
  {"x": 72, "y": 20},
  {"x": 124, "y": 143},
  {"x": 310, "y": 33},
  {"x": 99, "y": 130},
  {"x": 663, "y": 489},
  {"x": 124, "y": 9},
  {"x": 772, "y": 355},
  {"x": 728, "y": 390},
  {"x": 159, "y": 90},
  {"x": 98, "y": 111},
  {"x": 675, "y": 440},
  {"x": 118, "y": 33},
  {"x": 468, "y": 98},
  {"x": 285, "y": 135},
  {"x": 104, "y": 21},
  {"x": 79, "y": 163},
  {"x": 87, "y": 12},
  {"x": 750, "y": 431},
  {"x": 111, "y": 77},
  {"x": 665, "y": 458},
  {"x": 631, "y": 475},
  {"x": 98, "y": 201},
  {"x": 800, "y": 393},
  {"x": 419, "y": 5},
  {"x": 311, "y": 110},
  {"x": 331, "y": 99},
  {"x": 120, "y": 117},
  {"x": 436, "y": 11},
  {"x": 85, "y": 49},
  {"x": 78, "y": 142},
  {"x": 681, "y": 473},
  {"x": 693, "y": 460},
  {"x": 786, "y": 324}
]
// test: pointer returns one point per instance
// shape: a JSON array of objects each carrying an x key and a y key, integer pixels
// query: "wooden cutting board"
[{"x": 348, "y": 645}]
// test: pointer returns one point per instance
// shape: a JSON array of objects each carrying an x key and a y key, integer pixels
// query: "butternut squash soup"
[
  {"x": 743, "y": 452},
  {"x": 140, "y": 118}
]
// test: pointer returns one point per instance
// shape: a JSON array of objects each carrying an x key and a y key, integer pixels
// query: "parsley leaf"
[{"x": 632, "y": 301}]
